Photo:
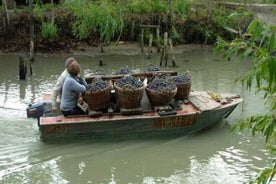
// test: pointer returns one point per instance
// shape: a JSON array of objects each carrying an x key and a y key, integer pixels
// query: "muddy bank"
[
  {"x": 123, "y": 48},
  {"x": 132, "y": 48}
]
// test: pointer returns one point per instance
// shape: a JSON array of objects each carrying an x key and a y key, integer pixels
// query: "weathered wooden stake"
[
  {"x": 100, "y": 62},
  {"x": 31, "y": 68},
  {"x": 22, "y": 68},
  {"x": 158, "y": 39},
  {"x": 151, "y": 37},
  {"x": 102, "y": 49},
  {"x": 142, "y": 41},
  {"x": 165, "y": 47},
  {"x": 161, "y": 58},
  {"x": 132, "y": 30},
  {"x": 150, "y": 44},
  {"x": 172, "y": 52},
  {"x": 165, "y": 52}
]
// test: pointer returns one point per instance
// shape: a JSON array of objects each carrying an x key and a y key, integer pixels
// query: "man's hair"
[
  {"x": 74, "y": 68},
  {"x": 69, "y": 61}
]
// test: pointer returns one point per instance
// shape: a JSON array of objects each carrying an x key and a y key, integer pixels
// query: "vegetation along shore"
[{"x": 59, "y": 26}]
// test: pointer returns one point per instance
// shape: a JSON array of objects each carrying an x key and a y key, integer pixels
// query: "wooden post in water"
[
  {"x": 165, "y": 47},
  {"x": 150, "y": 44},
  {"x": 22, "y": 68},
  {"x": 132, "y": 30},
  {"x": 151, "y": 36},
  {"x": 158, "y": 38},
  {"x": 172, "y": 52},
  {"x": 142, "y": 40},
  {"x": 165, "y": 52},
  {"x": 161, "y": 57},
  {"x": 102, "y": 49}
]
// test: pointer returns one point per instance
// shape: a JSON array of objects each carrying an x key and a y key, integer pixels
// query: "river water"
[{"x": 215, "y": 156}]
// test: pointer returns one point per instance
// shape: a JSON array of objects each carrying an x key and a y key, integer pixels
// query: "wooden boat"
[
  {"x": 198, "y": 112},
  {"x": 179, "y": 118}
]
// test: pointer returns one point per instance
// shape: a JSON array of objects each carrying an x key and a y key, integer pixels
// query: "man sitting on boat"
[
  {"x": 73, "y": 86},
  {"x": 59, "y": 83}
]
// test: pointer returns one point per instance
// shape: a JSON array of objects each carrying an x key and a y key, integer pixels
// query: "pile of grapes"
[
  {"x": 182, "y": 79},
  {"x": 152, "y": 68},
  {"x": 97, "y": 85},
  {"x": 123, "y": 71},
  {"x": 129, "y": 82},
  {"x": 160, "y": 85},
  {"x": 99, "y": 73}
]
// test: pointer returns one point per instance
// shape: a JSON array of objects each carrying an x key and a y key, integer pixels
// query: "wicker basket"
[
  {"x": 98, "y": 100},
  {"x": 183, "y": 91},
  {"x": 128, "y": 97},
  {"x": 162, "y": 98}
]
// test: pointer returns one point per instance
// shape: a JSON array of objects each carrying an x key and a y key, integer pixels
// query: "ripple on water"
[{"x": 15, "y": 144}]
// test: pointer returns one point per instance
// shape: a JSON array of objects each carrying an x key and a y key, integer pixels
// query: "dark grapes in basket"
[
  {"x": 129, "y": 82},
  {"x": 152, "y": 68},
  {"x": 181, "y": 79},
  {"x": 123, "y": 71},
  {"x": 161, "y": 85},
  {"x": 97, "y": 85},
  {"x": 99, "y": 73}
]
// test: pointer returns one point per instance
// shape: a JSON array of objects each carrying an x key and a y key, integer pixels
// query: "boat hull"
[{"x": 185, "y": 121}]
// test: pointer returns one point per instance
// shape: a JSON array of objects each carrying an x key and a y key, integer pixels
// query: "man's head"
[
  {"x": 74, "y": 68},
  {"x": 69, "y": 61}
]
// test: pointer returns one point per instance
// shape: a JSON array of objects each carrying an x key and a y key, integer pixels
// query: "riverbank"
[
  {"x": 132, "y": 48},
  {"x": 122, "y": 48}
]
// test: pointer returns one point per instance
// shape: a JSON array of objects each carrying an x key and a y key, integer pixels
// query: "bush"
[{"x": 49, "y": 32}]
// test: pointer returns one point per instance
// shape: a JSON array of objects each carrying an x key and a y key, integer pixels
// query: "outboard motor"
[{"x": 35, "y": 110}]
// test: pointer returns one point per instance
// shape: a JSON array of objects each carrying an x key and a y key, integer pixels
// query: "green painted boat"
[{"x": 182, "y": 117}]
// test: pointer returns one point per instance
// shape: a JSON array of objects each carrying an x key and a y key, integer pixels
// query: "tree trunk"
[
  {"x": 170, "y": 18},
  {"x": 53, "y": 12},
  {"x": 31, "y": 30},
  {"x": 6, "y": 19},
  {"x": 210, "y": 8}
]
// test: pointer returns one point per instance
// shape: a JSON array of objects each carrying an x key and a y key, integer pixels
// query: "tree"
[
  {"x": 259, "y": 44},
  {"x": 6, "y": 19}
]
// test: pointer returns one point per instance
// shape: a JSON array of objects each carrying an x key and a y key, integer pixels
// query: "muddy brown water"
[{"x": 216, "y": 155}]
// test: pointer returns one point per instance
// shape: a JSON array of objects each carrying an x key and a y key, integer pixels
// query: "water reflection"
[{"x": 22, "y": 89}]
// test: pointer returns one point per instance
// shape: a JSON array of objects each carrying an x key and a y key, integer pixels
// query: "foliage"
[
  {"x": 191, "y": 21},
  {"x": 220, "y": 17},
  {"x": 148, "y": 6},
  {"x": 255, "y": 1},
  {"x": 38, "y": 10},
  {"x": 85, "y": 14},
  {"x": 175, "y": 35},
  {"x": 239, "y": 19},
  {"x": 49, "y": 31},
  {"x": 104, "y": 16},
  {"x": 266, "y": 176},
  {"x": 181, "y": 8},
  {"x": 109, "y": 20},
  {"x": 259, "y": 44}
]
